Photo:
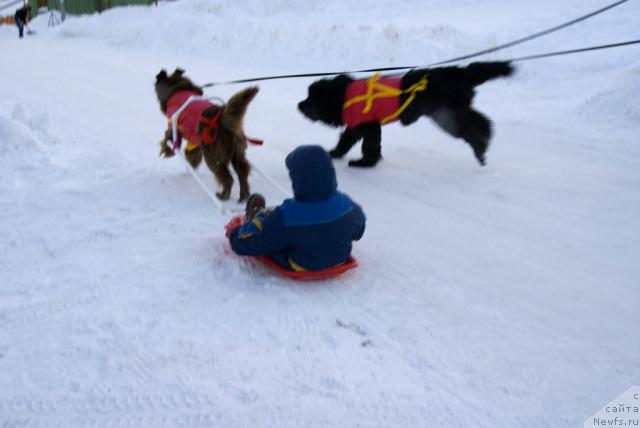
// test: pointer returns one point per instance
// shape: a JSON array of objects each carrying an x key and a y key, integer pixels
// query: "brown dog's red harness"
[
  {"x": 197, "y": 128},
  {"x": 207, "y": 125}
]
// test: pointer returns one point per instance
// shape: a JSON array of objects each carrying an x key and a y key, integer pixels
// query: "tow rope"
[{"x": 459, "y": 58}]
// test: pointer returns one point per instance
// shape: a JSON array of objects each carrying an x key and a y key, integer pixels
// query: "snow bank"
[
  {"x": 253, "y": 32},
  {"x": 24, "y": 136},
  {"x": 617, "y": 99},
  {"x": 330, "y": 34}
]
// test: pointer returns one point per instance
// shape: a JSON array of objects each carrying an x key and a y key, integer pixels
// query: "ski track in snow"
[{"x": 497, "y": 296}]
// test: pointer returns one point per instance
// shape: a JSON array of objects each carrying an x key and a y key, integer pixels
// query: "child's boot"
[{"x": 255, "y": 204}]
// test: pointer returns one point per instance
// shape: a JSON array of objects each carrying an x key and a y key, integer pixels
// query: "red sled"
[
  {"x": 310, "y": 275},
  {"x": 307, "y": 275}
]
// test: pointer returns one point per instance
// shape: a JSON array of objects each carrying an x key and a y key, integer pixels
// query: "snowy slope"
[
  {"x": 9, "y": 7},
  {"x": 499, "y": 296}
]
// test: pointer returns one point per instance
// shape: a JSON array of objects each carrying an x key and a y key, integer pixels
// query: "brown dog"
[{"x": 212, "y": 131}]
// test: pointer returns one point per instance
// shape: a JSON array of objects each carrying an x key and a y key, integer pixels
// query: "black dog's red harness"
[{"x": 378, "y": 99}]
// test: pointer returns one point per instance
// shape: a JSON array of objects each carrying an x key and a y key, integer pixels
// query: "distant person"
[
  {"x": 310, "y": 232},
  {"x": 23, "y": 16}
]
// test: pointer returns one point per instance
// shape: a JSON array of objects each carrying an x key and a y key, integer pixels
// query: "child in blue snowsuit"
[{"x": 312, "y": 231}]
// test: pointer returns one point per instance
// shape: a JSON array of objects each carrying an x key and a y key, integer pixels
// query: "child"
[{"x": 312, "y": 231}]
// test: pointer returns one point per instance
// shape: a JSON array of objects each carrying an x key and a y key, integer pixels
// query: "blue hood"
[{"x": 312, "y": 175}]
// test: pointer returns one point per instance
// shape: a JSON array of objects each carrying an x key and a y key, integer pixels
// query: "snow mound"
[
  {"x": 242, "y": 32},
  {"x": 23, "y": 135},
  {"x": 618, "y": 101},
  {"x": 23, "y": 152}
]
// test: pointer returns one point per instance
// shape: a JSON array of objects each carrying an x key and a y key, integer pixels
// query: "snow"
[
  {"x": 7, "y": 8},
  {"x": 498, "y": 296}
]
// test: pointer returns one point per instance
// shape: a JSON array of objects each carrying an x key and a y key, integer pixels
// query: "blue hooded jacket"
[{"x": 312, "y": 231}]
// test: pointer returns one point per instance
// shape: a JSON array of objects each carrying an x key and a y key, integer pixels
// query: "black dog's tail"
[{"x": 479, "y": 72}]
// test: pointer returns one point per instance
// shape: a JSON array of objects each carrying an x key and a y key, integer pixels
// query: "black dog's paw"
[
  {"x": 364, "y": 163},
  {"x": 480, "y": 147},
  {"x": 479, "y": 153},
  {"x": 335, "y": 154}
]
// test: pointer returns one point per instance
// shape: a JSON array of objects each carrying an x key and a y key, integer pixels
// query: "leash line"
[
  {"x": 533, "y": 36},
  {"x": 571, "y": 51},
  {"x": 456, "y": 59}
]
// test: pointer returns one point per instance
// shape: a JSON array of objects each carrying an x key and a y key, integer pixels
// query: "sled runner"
[
  {"x": 306, "y": 275},
  {"x": 309, "y": 275}
]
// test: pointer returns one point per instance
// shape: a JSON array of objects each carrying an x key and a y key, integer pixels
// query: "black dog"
[{"x": 443, "y": 94}]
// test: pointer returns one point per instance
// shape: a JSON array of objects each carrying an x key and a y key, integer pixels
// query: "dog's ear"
[
  {"x": 178, "y": 72},
  {"x": 162, "y": 75},
  {"x": 342, "y": 79}
]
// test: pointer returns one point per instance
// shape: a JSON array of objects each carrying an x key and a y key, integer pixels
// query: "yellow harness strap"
[{"x": 377, "y": 89}]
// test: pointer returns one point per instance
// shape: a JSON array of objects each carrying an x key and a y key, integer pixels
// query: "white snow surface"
[{"x": 503, "y": 296}]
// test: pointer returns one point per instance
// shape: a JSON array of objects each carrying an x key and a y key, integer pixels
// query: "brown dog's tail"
[{"x": 236, "y": 108}]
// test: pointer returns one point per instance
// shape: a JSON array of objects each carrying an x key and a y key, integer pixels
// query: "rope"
[
  {"x": 456, "y": 59},
  {"x": 571, "y": 51},
  {"x": 210, "y": 194},
  {"x": 533, "y": 36},
  {"x": 221, "y": 207},
  {"x": 271, "y": 181}
]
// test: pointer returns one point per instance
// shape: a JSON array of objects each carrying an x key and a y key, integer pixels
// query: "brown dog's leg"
[
  {"x": 221, "y": 171},
  {"x": 165, "y": 150},
  {"x": 242, "y": 168},
  {"x": 218, "y": 163},
  {"x": 194, "y": 157}
]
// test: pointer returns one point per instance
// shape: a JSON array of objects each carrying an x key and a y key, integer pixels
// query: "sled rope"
[
  {"x": 219, "y": 205},
  {"x": 532, "y": 36},
  {"x": 173, "y": 146},
  {"x": 572, "y": 51},
  {"x": 210, "y": 194},
  {"x": 456, "y": 59},
  {"x": 271, "y": 181},
  {"x": 377, "y": 90}
]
